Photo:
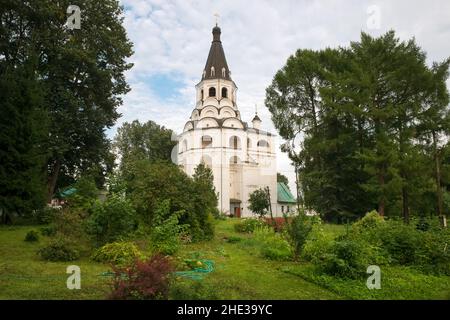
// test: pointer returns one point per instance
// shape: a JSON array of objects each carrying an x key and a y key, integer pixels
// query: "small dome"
[
  {"x": 216, "y": 34},
  {"x": 216, "y": 30},
  {"x": 256, "y": 118}
]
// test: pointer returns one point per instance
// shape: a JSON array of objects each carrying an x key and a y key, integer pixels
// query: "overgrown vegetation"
[
  {"x": 111, "y": 220},
  {"x": 241, "y": 272},
  {"x": 119, "y": 253},
  {"x": 298, "y": 230},
  {"x": 249, "y": 225},
  {"x": 32, "y": 236},
  {"x": 59, "y": 250},
  {"x": 375, "y": 241},
  {"x": 143, "y": 280},
  {"x": 272, "y": 245},
  {"x": 165, "y": 235}
]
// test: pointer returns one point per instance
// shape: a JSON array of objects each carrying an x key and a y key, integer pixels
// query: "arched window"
[
  {"x": 206, "y": 142},
  {"x": 249, "y": 143},
  {"x": 223, "y": 72},
  {"x": 263, "y": 143},
  {"x": 212, "y": 92},
  {"x": 184, "y": 147},
  {"x": 224, "y": 93},
  {"x": 235, "y": 142},
  {"x": 213, "y": 72},
  {"x": 202, "y": 94}
]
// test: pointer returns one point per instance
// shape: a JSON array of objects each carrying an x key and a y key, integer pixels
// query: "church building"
[{"x": 241, "y": 155}]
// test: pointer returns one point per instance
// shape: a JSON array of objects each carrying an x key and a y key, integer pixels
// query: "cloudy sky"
[{"x": 172, "y": 39}]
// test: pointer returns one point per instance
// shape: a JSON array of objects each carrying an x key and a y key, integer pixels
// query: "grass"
[
  {"x": 240, "y": 272},
  {"x": 397, "y": 283},
  {"x": 24, "y": 275}
]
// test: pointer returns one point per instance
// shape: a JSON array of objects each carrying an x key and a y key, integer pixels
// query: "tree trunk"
[
  {"x": 52, "y": 179},
  {"x": 405, "y": 202},
  {"x": 297, "y": 185},
  {"x": 437, "y": 171}
]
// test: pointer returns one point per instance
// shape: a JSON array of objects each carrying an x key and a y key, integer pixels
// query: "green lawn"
[
  {"x": 240, "y": 273},
  {"x": 24, "y": 275}
]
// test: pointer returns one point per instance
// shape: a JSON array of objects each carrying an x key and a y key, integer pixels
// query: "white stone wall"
[{"x": 256, "y": 165}]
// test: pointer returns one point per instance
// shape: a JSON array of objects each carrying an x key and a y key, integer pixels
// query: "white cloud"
[{"x": 173, "y": 37}]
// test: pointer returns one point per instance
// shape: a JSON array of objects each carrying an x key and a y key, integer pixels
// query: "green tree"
[
  {"x": 143, "y": 141},
  {"x": 22, "y": 127},
  {"x": 111, "y": 220},
  {"x": 77, "y": 74},
  {"x": 149, "y": 183},
  {"x": 434, "y": 127},
  {"x": 259, "y": 202},
  {"x": 84, "y": 75},
  {"x": 298, "y": 230},
  {"x": 395, "y": 81},
  {"x": 359, "y": 125},
  {"x": 23, "y": 120},
  {"x": 282, "y": 178}
]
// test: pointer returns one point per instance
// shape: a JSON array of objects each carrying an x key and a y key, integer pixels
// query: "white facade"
[{"x": 242, "y": 157}]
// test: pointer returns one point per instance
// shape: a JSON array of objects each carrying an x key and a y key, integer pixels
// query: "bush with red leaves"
[
  {"x": 278, "y": 223},
  {"x": 143, "y": 280}
]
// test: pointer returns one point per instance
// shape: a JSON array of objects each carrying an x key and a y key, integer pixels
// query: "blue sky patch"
[{"x": 164, "y": 86}]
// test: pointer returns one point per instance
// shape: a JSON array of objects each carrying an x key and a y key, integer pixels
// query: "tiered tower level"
[{"x": 242, "y": 157}]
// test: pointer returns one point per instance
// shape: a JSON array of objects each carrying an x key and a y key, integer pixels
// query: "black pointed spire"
[{"x": 216, "y": 66}]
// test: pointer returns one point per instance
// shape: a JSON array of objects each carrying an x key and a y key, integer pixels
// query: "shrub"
[
  {"x": 165, "y": 231},
  {"x": 151, "y": 182},
  {"x": 32, "y": 236},
  {"x": 111, "y": 220},
  {"x": 147, "y": 280},
  {"x": 400, "y": 241},
  {"x": 298, "y": 230},
  {"x": 248, "y": 225},
  {"x": 48, "y": 231},
  {"x": 433, "y": 254},
  {"x": 272, "y": 245},
  {"x": 278, "y": 223},
  {"x": 317, "y": 244},
  {"x": 345, "y": 259},
  {"x": 69, "y": 225},
  {"x": 59, "y": 250},
  {"x": 372, "y": 220},
  {"x": 119, "y": 253},
  {"x": 46, "y": 215}
]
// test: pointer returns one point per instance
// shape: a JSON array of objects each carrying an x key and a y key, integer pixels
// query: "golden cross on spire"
[{"x": 217, "y": 18}]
